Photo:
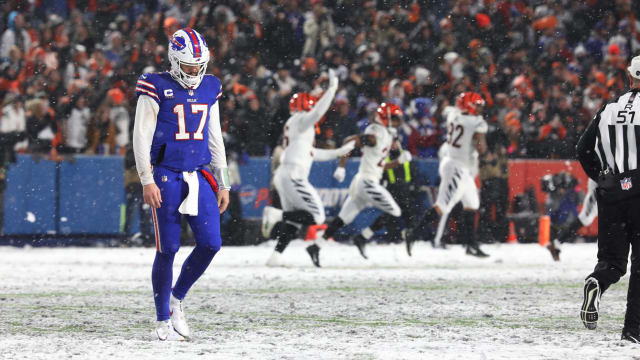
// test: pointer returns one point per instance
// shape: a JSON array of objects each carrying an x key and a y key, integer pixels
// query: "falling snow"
[{"x": 96, "y": 303}]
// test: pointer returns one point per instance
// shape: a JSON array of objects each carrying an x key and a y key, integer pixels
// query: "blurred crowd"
[{"x": 544, "y": 67}]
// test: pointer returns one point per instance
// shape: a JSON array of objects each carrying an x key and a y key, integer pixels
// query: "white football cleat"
[
  {"x": 165, "y": 332},
  {"x": 275, "y": 260},
  {"x": 270, "y": 217},
  {"x": 177, "y": 317}
]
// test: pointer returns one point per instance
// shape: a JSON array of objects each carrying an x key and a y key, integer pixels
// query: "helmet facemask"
[{"x": 188, "y": 81}]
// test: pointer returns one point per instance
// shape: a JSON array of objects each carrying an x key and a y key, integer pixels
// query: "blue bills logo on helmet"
[{"x": 178, "y": 43}]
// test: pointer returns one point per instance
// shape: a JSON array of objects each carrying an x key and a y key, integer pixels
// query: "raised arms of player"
[
  {"x": 340, "y": 173},
  {"x": 310, "y": 118},
  {"x": 357, "y": 141},
  {"x": 216, "y": 147},
  {"x": 330, "y": 154},
  {"x": 144, "y": 127}
]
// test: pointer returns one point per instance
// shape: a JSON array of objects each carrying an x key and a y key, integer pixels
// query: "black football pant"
[
  {"x": 619, "y": 231},
  {"x": 495, "y": 192}
]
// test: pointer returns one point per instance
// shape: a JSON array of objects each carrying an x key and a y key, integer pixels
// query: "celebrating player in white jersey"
[
  {"x": 458, "y": 167},
  {"x": 365, "y": 189},
  {"x": 301, "y": 204}
]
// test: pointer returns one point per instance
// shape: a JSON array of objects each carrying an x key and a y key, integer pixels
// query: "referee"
[{"x": 608, "y": 152}]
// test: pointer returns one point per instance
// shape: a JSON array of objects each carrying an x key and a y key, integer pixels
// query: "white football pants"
[
  {"x": 298, "y": 194},
  {"x": 367, "y": 192},
  {"x": 456, "y": 184}
]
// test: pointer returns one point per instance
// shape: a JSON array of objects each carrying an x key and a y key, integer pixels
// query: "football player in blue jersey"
[{"x": 176, "y": 136}]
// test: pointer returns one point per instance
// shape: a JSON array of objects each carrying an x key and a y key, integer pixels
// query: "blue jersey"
[{"x": 181, "y": 139}]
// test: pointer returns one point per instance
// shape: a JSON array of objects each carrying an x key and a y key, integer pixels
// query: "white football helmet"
[{"x": 188, "y": 47}]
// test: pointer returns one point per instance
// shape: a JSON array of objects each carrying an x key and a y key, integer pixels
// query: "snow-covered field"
[{"x": 96, "y": 303}]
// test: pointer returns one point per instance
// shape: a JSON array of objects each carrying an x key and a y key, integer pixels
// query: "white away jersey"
[
  {"x": 374, "y": 157},
  {"x": 298, "y": 145},
  {"x": 460, "y": 130},
  {"x": 299, "y": 134}
]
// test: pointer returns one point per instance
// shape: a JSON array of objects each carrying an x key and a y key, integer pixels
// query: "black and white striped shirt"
[{"x": 610, "y": 141}]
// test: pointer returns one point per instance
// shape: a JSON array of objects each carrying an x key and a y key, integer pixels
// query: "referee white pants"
[
  {"x": 298, "y": 194},
  {"x": 367, "y": 192}
]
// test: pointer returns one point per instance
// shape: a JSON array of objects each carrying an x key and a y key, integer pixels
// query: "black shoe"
[
  {"x": 314, "y": 252},
  {"x": 409, "y": 240},
  {"x": 591, "y": 304},
  {"x": 360, "y": 242},
  {"x": 627, "y": 335},
  {"x": 555, "y": 252},
  {"x": 475, "y": 251}
]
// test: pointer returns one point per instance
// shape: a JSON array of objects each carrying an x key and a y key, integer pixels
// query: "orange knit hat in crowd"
[
  {"x": 614, "y": 49},
  {"x": 483, "y": 20},
  {"x": 116, "y": 95}
]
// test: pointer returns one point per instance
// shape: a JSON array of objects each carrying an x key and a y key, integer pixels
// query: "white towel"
[{"x": 190, "y": 204}]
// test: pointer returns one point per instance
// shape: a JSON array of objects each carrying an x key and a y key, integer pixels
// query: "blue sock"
[
  {"x": 192, "y": 269},
  {"x": 161, "y": 279}
]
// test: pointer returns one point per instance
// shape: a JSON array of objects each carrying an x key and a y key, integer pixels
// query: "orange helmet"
[
  {"x": 469, "y": 102},
  {"x": 301, "y": 101},
  {"x": 385, "y": 111}
]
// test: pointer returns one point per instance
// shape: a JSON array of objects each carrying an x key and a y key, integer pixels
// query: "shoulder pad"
[
  {"x": 213, "y": 84},
  {"x": 375, "y": 130},
  {"x": 147, "y": 85},
  {"x": 373, "y": 127},
  {"x": 481, "y": 125}
]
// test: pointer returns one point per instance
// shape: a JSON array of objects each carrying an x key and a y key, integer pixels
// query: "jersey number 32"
[{"x": 454, "y": 135}]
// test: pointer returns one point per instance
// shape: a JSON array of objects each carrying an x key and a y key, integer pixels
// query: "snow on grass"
[{"x": 96, "y": 303}]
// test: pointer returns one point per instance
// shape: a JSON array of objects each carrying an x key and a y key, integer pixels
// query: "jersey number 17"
[{"x": 182, "y": 133}]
